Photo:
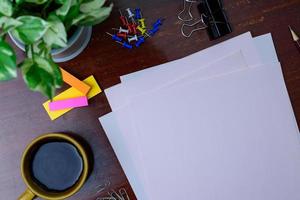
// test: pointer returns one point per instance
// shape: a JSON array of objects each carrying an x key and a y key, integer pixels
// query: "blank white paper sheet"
[
  {"x": 215, "y": 125},
  {"x": 236, "y": 138}
]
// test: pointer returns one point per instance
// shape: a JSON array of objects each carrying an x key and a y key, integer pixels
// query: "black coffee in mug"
[{"x": 56, "y": 166}]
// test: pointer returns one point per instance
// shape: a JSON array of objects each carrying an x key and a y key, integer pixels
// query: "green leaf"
[
  {"x": 56, "y": 35},
  {"x": 28, "y": 52},
  {"x": 60, "y": 1},
  {"x": 8, "y": 23},
  {"x": 73, "y": 12},
  {"x": 65, "y": 8},
  {"x": 91, "y": 6},
  {"x": 32, "y": 29},
  {"x": 58, "y": 79},
  {"x": 19, "y": 1},
  {"x": 6, "y": 7},
  {"x": 93, "y": 18},
  {"x": 68, "y": 11},
  {"x": 39, "y": 2},
  {"x": 40, "y": 48},
  {"x": 7, "y": 62},
  {"x": 41, "y": 74}
]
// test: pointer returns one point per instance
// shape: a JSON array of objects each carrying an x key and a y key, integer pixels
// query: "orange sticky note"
[
  {"x": 75, "y": 82},
  {"x": 72, "y": 93}
]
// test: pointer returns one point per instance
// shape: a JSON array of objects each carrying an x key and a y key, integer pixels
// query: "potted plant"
[{"x": 43, "y": 28}]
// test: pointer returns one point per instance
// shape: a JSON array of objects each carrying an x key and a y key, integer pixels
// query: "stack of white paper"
[{"x": 216, "y": 125}]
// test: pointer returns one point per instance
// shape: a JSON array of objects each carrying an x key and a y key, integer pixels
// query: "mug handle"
[{"x": 27, "y": 195}]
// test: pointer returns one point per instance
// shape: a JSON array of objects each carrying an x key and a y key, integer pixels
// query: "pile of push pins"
[{"x": 134, "y": 32}]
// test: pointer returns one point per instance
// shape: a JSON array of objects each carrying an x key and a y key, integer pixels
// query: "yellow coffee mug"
[{"x": 34, "y": 190}]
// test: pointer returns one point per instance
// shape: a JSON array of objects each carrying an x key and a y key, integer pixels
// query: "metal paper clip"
[
  {"x": 204, "y": 26},
  {"x": 124, "y": 194},
  {"x": 212, "y": 17},
  {"x": 185, "y": 2},
  {"x": 115, "y": 195},
  {"x": 102, "y": 187},
  {"x": 106, "y": 198}
]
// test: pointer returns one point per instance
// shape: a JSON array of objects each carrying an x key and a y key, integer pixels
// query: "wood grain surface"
[{"x": 23, "y": 118}]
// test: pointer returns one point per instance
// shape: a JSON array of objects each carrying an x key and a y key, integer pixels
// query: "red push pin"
[
  {"x": 133, "y": 27},
  {"x": 122, "y": 35},
  {"x": 123, "y": 19},
  {"x": 130, "y": 29}
]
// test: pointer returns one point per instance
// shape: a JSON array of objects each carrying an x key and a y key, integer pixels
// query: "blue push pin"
[
  {"x": 125, "y": 45},
  {"x": 140, "y": 41},
  {"x": 157, "y": 23},
  {"x": 138, "y": 14},
  {"x": 115, "y": 37},
  {"x": 153, "y": 31}
]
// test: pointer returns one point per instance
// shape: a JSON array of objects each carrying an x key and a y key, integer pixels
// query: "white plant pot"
[{"x": 76, "y": 44}]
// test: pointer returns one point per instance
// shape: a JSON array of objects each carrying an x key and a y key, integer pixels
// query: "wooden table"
[{"x": 22, "y": 117}]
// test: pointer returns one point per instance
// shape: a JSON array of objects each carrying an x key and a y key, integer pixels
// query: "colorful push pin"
[
  {"x": 129, "y": 27},
  {"x": 142, "y": 23},
  {"x": 140, "y": 41},
  {"x": 122, "y": 35},
  {"x": 153, "y": 31},
  {"x": 125, "y": 45},
  {"x": 138, "y": 13},
  {"x": 134, "y": 38},
  {"x": 115, "y": 37},
  {"x": 122, "y": 30},
  {"x": 133, "y": 28},
  {"x": 123, "y": 19},
  {"x": 157, "y": 23},
  {"x": 142, "y": 31},
  {"x": 130, "y": 14}
]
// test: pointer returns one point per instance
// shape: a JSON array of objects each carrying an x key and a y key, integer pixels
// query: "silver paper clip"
[
  {"x": 213, "y": 18},
  {"x": 185, "y": 2},
  {"x": 115, "y": 195},
  {"x": 106, "y": 198},
  {"x": 204, "y": 26},
  {"x": 191, "y": 18},
  {"x": 124, "y": 194}
]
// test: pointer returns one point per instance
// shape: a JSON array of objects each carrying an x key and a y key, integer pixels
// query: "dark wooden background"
[{"x": 23, "y": 118}]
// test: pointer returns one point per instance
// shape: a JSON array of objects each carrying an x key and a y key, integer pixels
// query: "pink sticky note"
[{"x": 68, "y": 103}]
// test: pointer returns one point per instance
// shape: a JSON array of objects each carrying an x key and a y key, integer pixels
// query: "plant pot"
[{"x": 76, "y": 44}]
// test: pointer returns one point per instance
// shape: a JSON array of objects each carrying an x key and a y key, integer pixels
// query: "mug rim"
[{"x": 75, "y": 188}]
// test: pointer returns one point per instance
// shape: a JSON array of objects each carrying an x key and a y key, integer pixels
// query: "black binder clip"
[{"x": 212, "y": 18}]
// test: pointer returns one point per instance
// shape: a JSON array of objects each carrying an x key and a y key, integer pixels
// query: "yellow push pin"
[
  {"x": 142, "y": 23},
  {"x": 142, "y": 30}
]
